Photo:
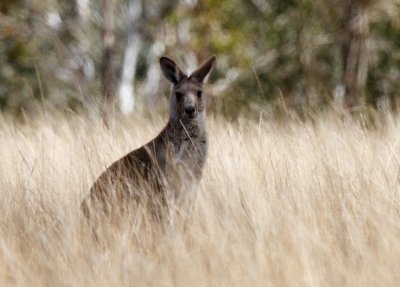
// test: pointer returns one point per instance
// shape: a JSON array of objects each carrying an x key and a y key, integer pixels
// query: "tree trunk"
[
  {"x": 108, "y": 63},
  {"x": 355, "y": 52},
  {"x": 126, "y": 91},
  {"x": 152, "y": 82}
]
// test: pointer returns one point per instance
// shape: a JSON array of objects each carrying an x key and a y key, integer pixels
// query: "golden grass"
[{"x": 296, "y": 204}]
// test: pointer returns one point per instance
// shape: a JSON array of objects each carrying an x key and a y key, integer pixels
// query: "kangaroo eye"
[
  {"x": 179, "y": 95},
  {"x": 199, "y": 94}
]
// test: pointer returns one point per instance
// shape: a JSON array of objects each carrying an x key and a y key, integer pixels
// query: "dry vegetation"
[{"x": 294, "y": 204}]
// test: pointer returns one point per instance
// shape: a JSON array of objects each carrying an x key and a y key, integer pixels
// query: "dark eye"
[
  {"x": 179, "y": 95},
  {"x": 199, "y": 94}
]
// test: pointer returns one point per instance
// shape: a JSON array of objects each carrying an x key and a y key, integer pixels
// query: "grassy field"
[{"x": 294, "y": 204}]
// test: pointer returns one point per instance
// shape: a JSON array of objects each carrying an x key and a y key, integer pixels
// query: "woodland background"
[
  {"x": 92, "y": 55},
  {"x": 302, "y": 181}
]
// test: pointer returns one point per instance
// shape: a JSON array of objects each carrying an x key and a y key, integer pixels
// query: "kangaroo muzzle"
[
  {"x": 190, "y": 111},
  {"x": 190, "y": 106}
]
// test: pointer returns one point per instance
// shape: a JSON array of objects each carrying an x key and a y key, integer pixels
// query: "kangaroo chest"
[{"x": 185, "y": 151}]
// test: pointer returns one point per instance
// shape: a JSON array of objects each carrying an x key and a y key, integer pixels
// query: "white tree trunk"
[
  {"x": 152, "y": 83},
  {"x": 126, "y": 91}
]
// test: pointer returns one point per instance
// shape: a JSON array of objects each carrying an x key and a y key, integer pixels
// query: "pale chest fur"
[{"x": 185, "y": 149}]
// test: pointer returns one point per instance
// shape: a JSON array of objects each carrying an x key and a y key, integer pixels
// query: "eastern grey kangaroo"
[{"x": 170, "y": 165}]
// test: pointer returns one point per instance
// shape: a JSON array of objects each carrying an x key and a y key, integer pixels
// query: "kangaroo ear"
[
  {"x": 171, "y": 70},
  {"x": 201, "y": 73}
]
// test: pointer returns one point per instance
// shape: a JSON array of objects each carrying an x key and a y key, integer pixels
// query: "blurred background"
[{"x": 101, "y": 56}]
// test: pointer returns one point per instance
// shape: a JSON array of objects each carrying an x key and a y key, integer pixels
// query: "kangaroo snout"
[
  {"x": 190, "y": 105},
  {"x": 190, "y": 111}
]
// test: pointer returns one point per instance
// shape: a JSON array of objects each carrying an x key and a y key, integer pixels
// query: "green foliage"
[
  {"x": 282, "y": 50},
  {"x": 18, "y": 56},
  {"x": 384, "y": 72}
]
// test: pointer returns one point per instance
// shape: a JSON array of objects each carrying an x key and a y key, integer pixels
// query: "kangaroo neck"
[{"x": 185, "y": 128}]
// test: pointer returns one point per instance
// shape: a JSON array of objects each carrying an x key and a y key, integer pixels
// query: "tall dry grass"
[{"x": 295, "y": 204}]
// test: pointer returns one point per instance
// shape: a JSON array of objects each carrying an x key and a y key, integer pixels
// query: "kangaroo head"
[{"x": 187, "y": 99}]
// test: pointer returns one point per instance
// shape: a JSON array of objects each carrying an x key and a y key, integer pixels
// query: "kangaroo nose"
[{"x": 189, "y": 110}]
